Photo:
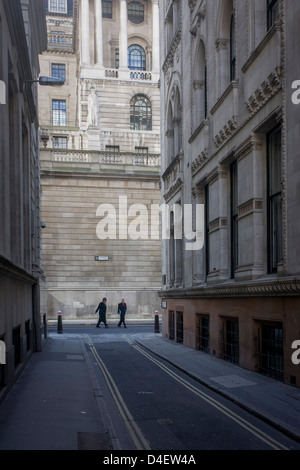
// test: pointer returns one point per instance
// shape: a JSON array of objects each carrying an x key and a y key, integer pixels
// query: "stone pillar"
[
  {"x": 123, "y": 40},
  {"x": 85, "y": 32},
  {"x": 155, "y": 38},
  {"x": 98, "y": 33}
]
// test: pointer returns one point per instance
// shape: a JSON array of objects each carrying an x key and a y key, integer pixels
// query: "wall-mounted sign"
[
  {"x": 164, "y": 304},
  {"x": 101, "y": 258}
]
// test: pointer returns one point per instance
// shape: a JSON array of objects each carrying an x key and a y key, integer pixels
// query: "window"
[
  {"x": 117, "y": 57},
  {"x": 112, "y": 148},
  {"x": 140, "y": 113},
  {"x": 230, "y": 340},
  {"x": 60, "y": 143},
  {"x": 274, "y": 199},
  {"x": 136, "y": 58},
  {"x": 107, "y": 9},
  {"x": 141, "y": 150},
  {"x": 269, "y": 342},
  {"x": 234, "y": 218},
  {"x": 207, "y": 244},
  {"x": 203, "y": 336},
  {"x": 179, "y": 327},
  {"x": 232, "y": 49},
  {"x": 59, "y": 113},
  {"x": 58, "y": 71},
  {"x": 136, "y": 12},
  {"x": 58, "y": 6},
  {"x": 273, "y": 12}
]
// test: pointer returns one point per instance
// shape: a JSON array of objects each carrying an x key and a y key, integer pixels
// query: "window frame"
[
  {"x": 274, "y": 203},
  {"x": 272, "y": 6},
  {"x": 140, "y": 120},
  {"x": 60, "y": 67},
  {"x": 132, "y": 58},
  {"x": 132, "y": 14},
  {"x": 57, "y": 138},
  {"x": 62, "y": 113},
  {"x": 107, "y": 9},
  {"x": 58, "y": 8}
]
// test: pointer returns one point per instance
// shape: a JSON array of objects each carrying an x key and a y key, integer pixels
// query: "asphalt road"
[{"x": 152, "y": 406}]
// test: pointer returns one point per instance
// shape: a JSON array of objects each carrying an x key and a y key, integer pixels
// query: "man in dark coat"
[
  {"x": 102, "y": 313},
  {"x": 122, "y": 309}
]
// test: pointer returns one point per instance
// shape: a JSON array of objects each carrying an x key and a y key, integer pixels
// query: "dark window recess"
[
  {"x": 230, "y": 340},
  {"x": 203, "y": 337},
  {"x": 274, "y": 199},
  {"x": 272, "y": 12},
  {"x": 28, "y": 335},
  {"x": 207, "y": 246},
  {"x": 232, "y": 49},
  {"x": 270, "y": 350},
  {"x": 2, "y": 371},
  {"x": 172, "y": 326},
  {"x": 16, "y": 339},
  {"x": 234, "y": 218},
  {"x": 179, "y": 327}
]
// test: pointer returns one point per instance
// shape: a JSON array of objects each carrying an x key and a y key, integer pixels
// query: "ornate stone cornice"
[
  {"x": 169, "y": 61},
  {"x": 268, "y": 288}
]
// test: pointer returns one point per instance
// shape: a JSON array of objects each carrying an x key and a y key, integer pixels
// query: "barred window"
[
  {"x": 136, "y": 12},
  {"x": 136, "y": 58},
  {"x": 140, "y": 113}
]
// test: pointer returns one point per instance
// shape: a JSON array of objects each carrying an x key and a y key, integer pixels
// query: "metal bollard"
[
  {"x": 59, "y": 323},
  {"x": 156, "y": 324}
]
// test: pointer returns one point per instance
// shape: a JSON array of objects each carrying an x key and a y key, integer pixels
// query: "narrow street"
[{"x": 154, "y": 406}]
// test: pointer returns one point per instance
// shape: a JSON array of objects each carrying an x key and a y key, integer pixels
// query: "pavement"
[{"x": 42, "y": 411}]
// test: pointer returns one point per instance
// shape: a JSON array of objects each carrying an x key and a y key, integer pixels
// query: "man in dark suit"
[
  {"x": 102, "y": 313},
  {"x": 122, "y": 309}
]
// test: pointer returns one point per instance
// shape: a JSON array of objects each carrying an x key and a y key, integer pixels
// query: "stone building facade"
[
  {"x": 101, "y": 134},
  {"x": 230, "y": 143},
  {"x": 22, "y": 38}
]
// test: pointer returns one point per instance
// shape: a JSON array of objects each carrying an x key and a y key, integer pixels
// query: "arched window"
[
  {"x": 136, "y": 12},
  {"x": 140, "y": 113},
  {"x": 136, "y": 57},
  {"x": 200, "y": 85},
  {"x": 232, "y": 49}
]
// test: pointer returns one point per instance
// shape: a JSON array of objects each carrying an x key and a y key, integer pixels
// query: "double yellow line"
[
  {"x": 136, "y": 434},
  {"x": 211, "y": 401}
]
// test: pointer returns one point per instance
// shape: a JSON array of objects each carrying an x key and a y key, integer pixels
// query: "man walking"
[
  {"x": 102, "y": 313},
  {"x": 122, "y": 309}
]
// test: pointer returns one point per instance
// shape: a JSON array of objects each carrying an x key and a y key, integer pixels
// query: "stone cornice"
[
  {"x": 169, "y": 61},
  {"x": 267, "y": 288},
  {"x": 10, "y": 269}
]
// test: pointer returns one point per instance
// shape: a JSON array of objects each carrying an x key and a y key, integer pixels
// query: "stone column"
[
  {"x": 85, "y": 32},
  {"x": 123, "y": 39},
  {"x": 155, "y": 38},
  {"x": 99, "y": 34}
]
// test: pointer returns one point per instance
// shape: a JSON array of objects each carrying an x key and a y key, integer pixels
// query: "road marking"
[
  {"x": 219, "y": 406},
  {"x": 136, "y": 434}
]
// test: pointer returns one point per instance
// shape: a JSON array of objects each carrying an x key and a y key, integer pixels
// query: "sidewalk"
[
  {"x": 42, "y": 412},
  {"x": 275, "y": 402}
]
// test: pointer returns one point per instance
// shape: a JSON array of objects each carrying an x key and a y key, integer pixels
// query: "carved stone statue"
[{"x": 93, "y": 108}]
